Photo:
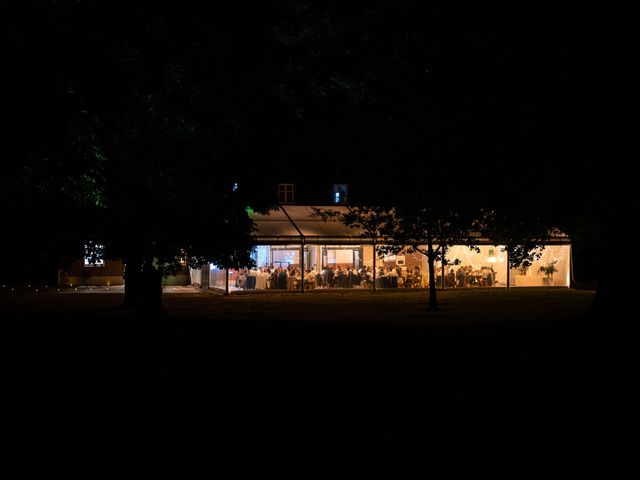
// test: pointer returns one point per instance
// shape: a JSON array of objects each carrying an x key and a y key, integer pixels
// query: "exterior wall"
[
  {"x": 180, "y": 278},
  {"x": 195, "y": 276},
  {"x": 112, "y": 273}
]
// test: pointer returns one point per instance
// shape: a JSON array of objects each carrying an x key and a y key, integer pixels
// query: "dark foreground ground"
[{"x": 492, "y": 356}]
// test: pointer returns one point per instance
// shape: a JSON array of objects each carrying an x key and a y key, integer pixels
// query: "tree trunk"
[
  {"x": 433, "y": 302},
  {"x": 143, "y": 288},
  {"x": 375, "y": 253}
]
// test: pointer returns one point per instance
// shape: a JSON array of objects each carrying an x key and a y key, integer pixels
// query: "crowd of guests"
[
  {"x": 289, "y": 278},
  {"x": 466, "y": 276}
]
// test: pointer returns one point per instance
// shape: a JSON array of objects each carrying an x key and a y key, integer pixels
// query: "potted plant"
[{"x": 549, "y": 269}]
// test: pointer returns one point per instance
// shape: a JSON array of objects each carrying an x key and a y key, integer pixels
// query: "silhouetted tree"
[
  {"x": 428, "y": 229},
  {"x": 143, "y": 134}
]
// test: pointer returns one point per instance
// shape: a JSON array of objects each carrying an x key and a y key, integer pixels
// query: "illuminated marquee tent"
[{"x": 292, "y": 237}]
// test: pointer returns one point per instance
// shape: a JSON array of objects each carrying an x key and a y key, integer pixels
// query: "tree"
[
  {"x": 430, "y": 230},
  {"x": 427, "y": 229},
  {"x": 144, "y": 134},
  {"x": 177, "y": 109},
  {"x": 372, "y": 223},
  {"x": 521, "y": 231}
]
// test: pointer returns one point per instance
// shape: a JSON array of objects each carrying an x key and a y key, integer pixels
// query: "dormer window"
[
  {"x": 285, "y": 193},
  {"x": 340, "y": 193}
]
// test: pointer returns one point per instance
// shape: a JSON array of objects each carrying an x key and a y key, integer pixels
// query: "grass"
[
  {"x": 391, "y": 307},
  {"x": 485, "y": 349},
  {"x": 388, "y": 307}
]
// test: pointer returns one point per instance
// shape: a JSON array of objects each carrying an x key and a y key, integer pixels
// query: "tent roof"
[{"x": 288, "y": 224}]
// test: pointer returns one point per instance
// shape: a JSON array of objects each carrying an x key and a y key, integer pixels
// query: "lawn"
[
  {"x": 391, "y": 307},
  {"x": 315, "y": 329},
  {"x": 388, "y": 307},
  {"x": 516, "y": 348}
]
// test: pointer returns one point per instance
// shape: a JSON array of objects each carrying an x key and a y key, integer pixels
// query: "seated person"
[{"x": 310, "y": 278}]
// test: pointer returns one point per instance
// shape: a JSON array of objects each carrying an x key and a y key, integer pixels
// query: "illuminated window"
[
  {"x": 340, "y": 193},
  {"x": 93, "y": 255},
  {"x": 285, "y": 193}
]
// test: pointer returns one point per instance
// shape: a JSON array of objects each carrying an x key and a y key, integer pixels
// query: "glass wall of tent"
[
  {"x": 552, "y": 269},
  {"x": 280, "y": 267},
  {"x": 478, "y": 266},
  {"x": 404, "y": 270},
  {"x": 486, "y": 266},
  {"x": 277, "y": 267}
]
